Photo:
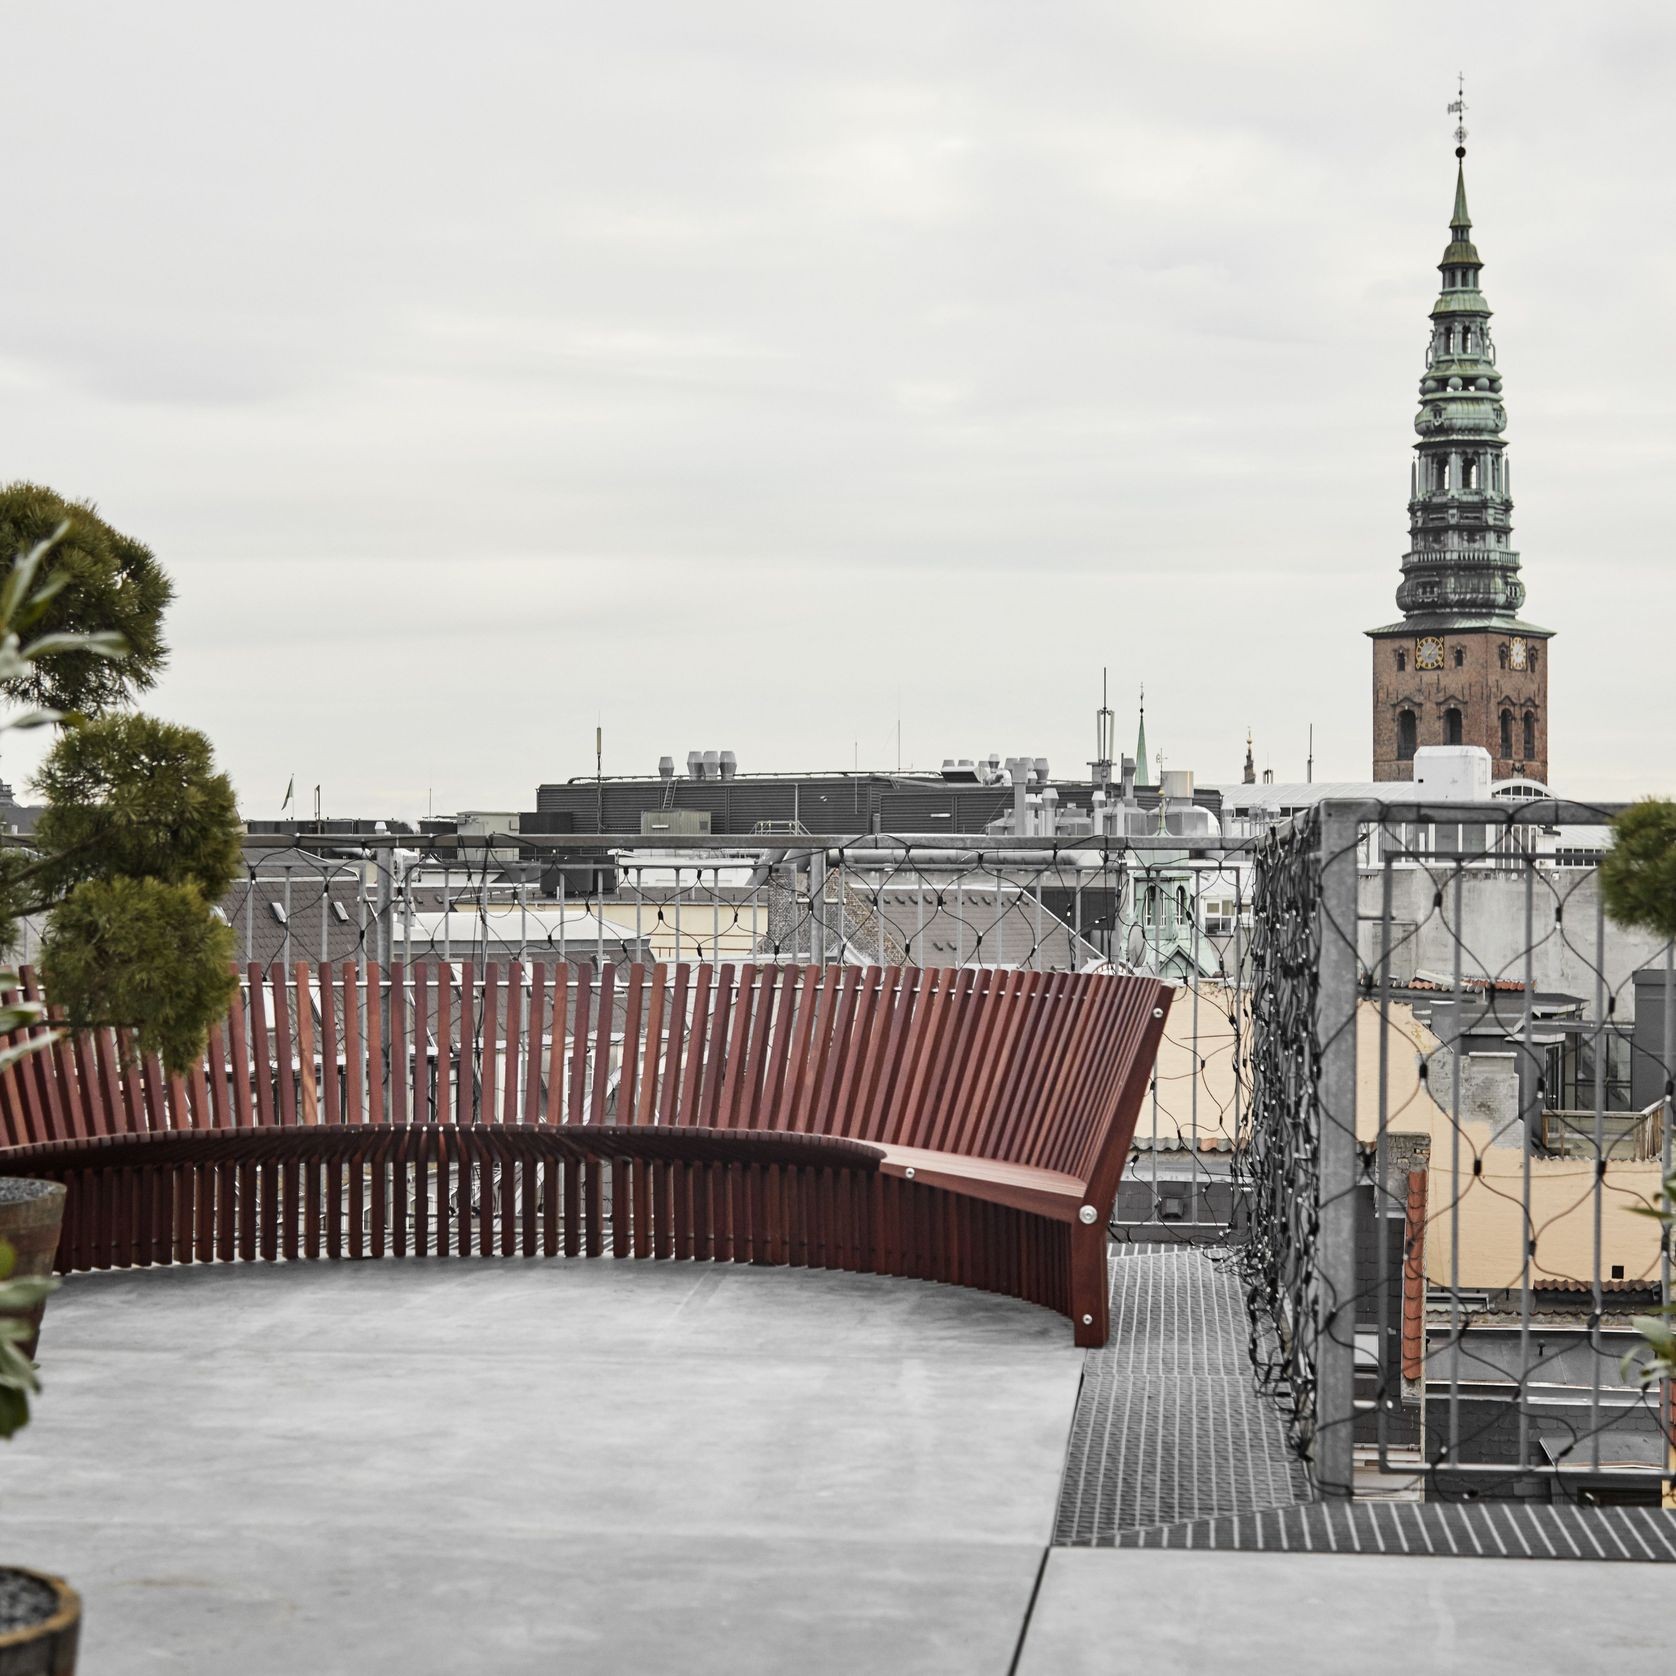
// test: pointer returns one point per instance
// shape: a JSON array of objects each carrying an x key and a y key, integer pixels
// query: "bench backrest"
[{"x": 1023, "y": 1067}]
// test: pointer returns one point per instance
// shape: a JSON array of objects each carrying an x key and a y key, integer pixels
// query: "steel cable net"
[
  {"x": 1510, "y": 1128},
  {"x": 877, "y": 900}
]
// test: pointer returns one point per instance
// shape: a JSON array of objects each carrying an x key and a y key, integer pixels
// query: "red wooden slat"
[
  {"x": 698, "y": 1048},
  {"x": 67, "y": 1074},
  {"x": 853, "y": 1039},
  {"x": 354, "y": 1063},
  {"x": 635, "y": 979},
  {"x": 374, "y": 1018},
  {"x": 466, "y": 1088},
  {"x": 513, "y": 1036},
  {"x": 483, "y": 1109},
  {"x": 535, "y": 1028},
  {"x": 504, "y": 1159},
  {"x": 284, "y": 1081},
  {"x": 421, "y": 1070},
  {"x": 553, "y": 1108},
  {"x": 716, "y": 1049},
  {"x": 742, "y": 1114},
  {"x": 331, "y": 1110},
  {"x": 445, "y": 1051},
  {"x": 793, "y": 998},
  {"x": 261, "y": 1058},
  {"x": 401, "y": 1070},
  {"x": 46, "y": 1085},
  {"x": 813, "y": 1027},
  {"x": 308, "y": 1085},
  {"x": 669, "y": 1094}
]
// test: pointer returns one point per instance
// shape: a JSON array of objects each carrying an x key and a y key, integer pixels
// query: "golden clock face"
[
  {"x": 1518, "y": 654},
  {"x": 1428, "y": 652}
]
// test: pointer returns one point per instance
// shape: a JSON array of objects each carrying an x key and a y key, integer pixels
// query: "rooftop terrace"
[{"x": 604, "y": 1467}]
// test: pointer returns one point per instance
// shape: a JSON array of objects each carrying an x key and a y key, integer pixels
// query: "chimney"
[
  {"x": 695, "y": 765},
  {"x": 712, "y": 765},
  {"x": 729, "y": 765},
  {"x": 666, "y": 768},
  {"x": 1050, "y": 813},
  {"x": 1019, "y": 769}
]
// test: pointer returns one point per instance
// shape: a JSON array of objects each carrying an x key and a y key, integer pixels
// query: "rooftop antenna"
[
  {"x": 1458, "y": 110},
  {"x": 1309, "y": 771},
  {"x": 1104, "y": 734}
]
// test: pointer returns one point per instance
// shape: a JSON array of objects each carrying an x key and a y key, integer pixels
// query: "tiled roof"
[{"x": 284, "y": 916}]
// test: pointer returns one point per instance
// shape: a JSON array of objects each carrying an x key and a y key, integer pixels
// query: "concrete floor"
[
  {"x": 1186, "y": 1614},
  {"x": 526, "y": 1466},
  {"x": 598, "y": 1468}
]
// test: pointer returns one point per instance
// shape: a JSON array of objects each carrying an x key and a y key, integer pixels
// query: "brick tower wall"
[{"x": 1480, "y": 688}]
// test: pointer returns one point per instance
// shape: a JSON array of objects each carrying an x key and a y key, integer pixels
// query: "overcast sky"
[{"x": 752, "y": 375}]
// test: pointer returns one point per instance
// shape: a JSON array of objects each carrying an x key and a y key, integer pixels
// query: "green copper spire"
[
  {"x": 1460, "y": 567},
  {"x": 1143, "y": 776},
  {"x": 1460, "y": 223}
]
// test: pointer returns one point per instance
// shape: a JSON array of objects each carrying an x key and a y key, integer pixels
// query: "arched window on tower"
[
  {"x": 1501, "y": 653},
  {"x": 1469, "y": 472},
  {"x": 1530, "y": 735},
  {"x": 1451, "y": 726},
  {"x": 1506, "y": 733},
  {"x": 1406, "y": 731},
  {"x": 1402, "y": 660},
  {"x": 1530, "y": 660},
  {"x": 1460, "y": 657}
]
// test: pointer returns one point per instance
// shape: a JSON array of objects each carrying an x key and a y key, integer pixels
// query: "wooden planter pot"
[
  {"x": 30, "y": 1215},
  {"x": 46, "y": 1647}
]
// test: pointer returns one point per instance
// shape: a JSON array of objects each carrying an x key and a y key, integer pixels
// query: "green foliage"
[
  {"x": 141, "y": 833},
  {"x": 18, "y": 1381},
  {"x": 152, "y": 957},
  {"x": 129, "y": 795},
  {"x": 102, "y": 583},
  {"x": 1655, "y": 1360},
  {"x": 1638, "y": 876}
]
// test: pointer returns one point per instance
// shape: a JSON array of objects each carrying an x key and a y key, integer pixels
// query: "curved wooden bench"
[{"x": 967, "y": 1125}]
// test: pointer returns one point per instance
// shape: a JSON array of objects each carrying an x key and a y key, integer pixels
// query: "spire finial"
[{"x": 1458, "y": 110}]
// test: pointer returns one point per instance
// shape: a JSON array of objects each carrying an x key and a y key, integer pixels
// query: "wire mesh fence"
[
  {"x": 1156, "y": 905},
  {"x": 1416, "y": 1077},
  {"x": 1460, "y": 1094}
]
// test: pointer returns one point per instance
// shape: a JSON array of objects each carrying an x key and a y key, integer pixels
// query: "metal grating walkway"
[
  {"x": 1173, "y": 1447},
  {"x": 1169, "y": 1426},
  {"x": 1464, "y": 1530}
]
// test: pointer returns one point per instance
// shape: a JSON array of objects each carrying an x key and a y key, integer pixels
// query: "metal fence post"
[{"x": 1333, "y": 1431}]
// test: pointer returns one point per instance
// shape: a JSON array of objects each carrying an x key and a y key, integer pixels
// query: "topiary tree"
[
  {"x": 1638, "y": 886},
  {"x": 104, "y": 584},
  {"x": 1638, "y": 876},
  {"x": 140, "y": 836}
]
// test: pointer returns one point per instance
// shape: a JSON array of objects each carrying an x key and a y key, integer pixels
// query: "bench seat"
[{"x": 966, "y": 1125}]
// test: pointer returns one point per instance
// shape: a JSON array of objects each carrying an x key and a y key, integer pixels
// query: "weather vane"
[{"x": 1458, "y": 110}]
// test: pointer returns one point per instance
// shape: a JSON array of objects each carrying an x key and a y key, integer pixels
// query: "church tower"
[{"x": 1460, "y": 668}]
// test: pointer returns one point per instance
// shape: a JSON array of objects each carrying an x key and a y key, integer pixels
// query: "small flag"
[{"x": 290, "y": 791}]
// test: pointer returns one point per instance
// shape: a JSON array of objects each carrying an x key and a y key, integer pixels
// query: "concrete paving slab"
[
  {"x": 583, "y": 1465},
  {"x": 1180, "y": 1614}
]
